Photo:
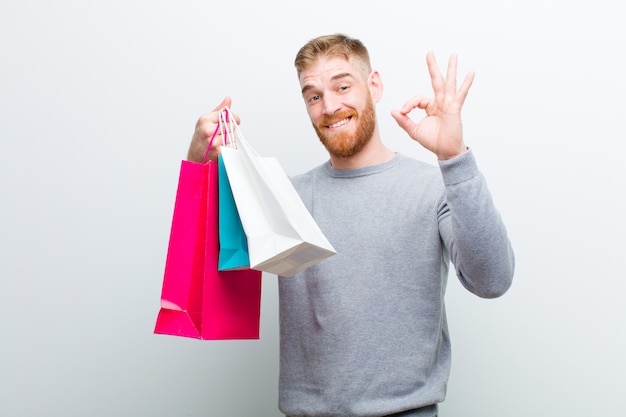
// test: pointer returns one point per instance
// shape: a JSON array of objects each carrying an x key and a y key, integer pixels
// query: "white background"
[{"x": 98, "y": 101}]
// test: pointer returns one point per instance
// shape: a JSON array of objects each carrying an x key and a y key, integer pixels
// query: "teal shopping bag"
[{"x": 233, "y": 241}]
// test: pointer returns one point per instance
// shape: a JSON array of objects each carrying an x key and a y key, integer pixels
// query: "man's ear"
[{"x": 375, "y": 84}]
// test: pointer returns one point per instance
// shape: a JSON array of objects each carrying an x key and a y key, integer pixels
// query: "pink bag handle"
[{"x": 223, "y": 119}]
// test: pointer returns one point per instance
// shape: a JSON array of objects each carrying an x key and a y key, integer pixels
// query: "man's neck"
[{"x": 373, "y": 153}]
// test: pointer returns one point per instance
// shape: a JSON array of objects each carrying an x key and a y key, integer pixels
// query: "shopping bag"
[
  {"x": 233, "y": 252},
  {"x": 197, "y": 300},
  {"x": 283, "y": 238},
  {"x": 181, "y": 294},
  {"x": 231, "y": 299}
]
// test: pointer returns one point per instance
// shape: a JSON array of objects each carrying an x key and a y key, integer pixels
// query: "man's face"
[{"x": 339, "y": 104}]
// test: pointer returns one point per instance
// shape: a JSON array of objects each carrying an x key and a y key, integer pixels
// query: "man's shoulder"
[
  {"x": 307, "y": 176},
  {"x": 411, "y": 167}
]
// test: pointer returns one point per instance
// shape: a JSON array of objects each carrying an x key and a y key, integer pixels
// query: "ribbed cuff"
[{"x": 459, "y": 169}]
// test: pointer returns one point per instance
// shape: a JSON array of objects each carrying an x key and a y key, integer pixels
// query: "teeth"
[{"x": 339, "y": 123}]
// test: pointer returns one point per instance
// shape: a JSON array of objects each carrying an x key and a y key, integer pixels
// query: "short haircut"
[{"x": 331, "y": 46}]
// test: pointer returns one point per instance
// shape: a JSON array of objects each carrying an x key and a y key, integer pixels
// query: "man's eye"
[
  {"x": 313, "y": 99},
  {"x": 343, "y": 88}
]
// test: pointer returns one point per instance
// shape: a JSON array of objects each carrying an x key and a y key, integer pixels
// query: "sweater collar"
[{"x": 364, "y": 171}]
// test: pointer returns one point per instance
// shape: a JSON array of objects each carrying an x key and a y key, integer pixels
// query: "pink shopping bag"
[{"x": 197, "y": 300}]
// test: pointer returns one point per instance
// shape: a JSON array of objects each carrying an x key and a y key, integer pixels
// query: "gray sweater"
[{"x": 364, "y": 332}]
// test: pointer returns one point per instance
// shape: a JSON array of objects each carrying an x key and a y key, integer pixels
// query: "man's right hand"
[{"x": 205, "y": 127}]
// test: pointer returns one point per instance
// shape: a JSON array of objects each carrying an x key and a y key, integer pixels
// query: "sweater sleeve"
[{"x": 472, "y": 230}]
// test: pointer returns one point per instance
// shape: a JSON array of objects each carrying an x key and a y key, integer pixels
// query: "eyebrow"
[{"x": 339, "y": 76}]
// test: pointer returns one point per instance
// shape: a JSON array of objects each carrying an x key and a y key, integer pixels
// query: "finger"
[
  {"x": 215, "y": 139},
  {"x": 436, "y": 78},
  {"x": 450, "y": 83},
  {"x": 207, "y": 122},
  {"x": 227, "y": 102},
  {"x": 416, "y": 102},
  {"x": 464, "y": 88}
]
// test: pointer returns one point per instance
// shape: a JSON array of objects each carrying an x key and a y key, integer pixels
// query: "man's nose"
[{"x": 331, "y": 104}]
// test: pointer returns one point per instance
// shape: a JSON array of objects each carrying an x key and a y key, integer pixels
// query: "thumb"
[{"x": 225, "y": 103}]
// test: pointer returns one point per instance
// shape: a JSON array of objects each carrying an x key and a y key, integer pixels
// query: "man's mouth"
[{"x": 339, "y": 123}]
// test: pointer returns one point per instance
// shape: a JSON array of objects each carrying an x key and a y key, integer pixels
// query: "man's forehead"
[{"x": 328, "y": 69}]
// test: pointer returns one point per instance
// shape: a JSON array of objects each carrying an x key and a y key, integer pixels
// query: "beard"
[{"x": 345, "y": 144}]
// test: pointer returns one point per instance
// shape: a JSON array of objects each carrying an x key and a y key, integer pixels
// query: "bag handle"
[
  {"x": 223, "y": 125},
  {"x": 236, "y": 137},
  {"x": 228, "y": 128},
  {"x": 208, "y": 149}
]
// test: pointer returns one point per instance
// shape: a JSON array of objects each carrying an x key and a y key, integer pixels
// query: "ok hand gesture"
[{"x": 441, "y": 130}]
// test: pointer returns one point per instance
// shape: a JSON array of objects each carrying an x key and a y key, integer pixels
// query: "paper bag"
[
  {"x": 233, "y": 252},
  {"x": 283, "y": 238},
  {"x": 197, "y": 300}
]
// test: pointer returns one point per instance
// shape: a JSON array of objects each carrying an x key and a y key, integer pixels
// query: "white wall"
[{"x": 98, "y": 101}]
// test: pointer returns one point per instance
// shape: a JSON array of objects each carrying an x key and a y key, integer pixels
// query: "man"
[{"x": 364, "y": 332}]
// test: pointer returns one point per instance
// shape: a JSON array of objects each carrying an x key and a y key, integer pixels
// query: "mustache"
[{"x": 329, "y": 120}]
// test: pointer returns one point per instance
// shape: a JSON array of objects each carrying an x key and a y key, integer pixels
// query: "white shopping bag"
[{"x": 283, "y": 237}]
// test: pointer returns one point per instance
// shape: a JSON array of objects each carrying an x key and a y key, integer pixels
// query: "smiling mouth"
[{"x": 339, "y": 123}]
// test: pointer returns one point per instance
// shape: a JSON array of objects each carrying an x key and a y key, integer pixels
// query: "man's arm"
[
  {"x": 472, "y": 230},
  {"x": 469, "y": 224}
]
